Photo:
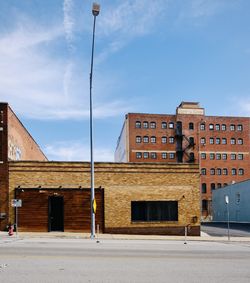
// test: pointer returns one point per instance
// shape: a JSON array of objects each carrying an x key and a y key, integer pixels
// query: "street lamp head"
[{"x": 95, "y": 9}]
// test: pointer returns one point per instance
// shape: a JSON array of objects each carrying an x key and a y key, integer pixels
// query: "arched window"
[
  {"x": 204, "y": 188},
  {"x": 211, "y": 127},
  {"x": 202, "y": 127},
  {"x": 171, "y": 125},
  {"x": 191, "y": 126},
  {"x": 240, "y": 141},
  {"x": 203, "y": 171},
  {"x": 145, "y": 139},
  {"x": 212, "y": 186},
  {"x": 241, "y": 171},
  {"x": 138, "y": 124},
  {"x": 225, "y": 171},
  {"x": 145, "y": 124},
  {"x": 212, "y": 171},
  {"x": 163, "y": 139},
  {"x": 153, "y": 139},
  {"x": 163, "y": 125},
  {"x": 233, "y": 141},
  {"x": 138, "y": 139},
  {"x": 152, "y": 125},
  {"x": 191, "y": 141},
  {"x": 191, "y": 157}
]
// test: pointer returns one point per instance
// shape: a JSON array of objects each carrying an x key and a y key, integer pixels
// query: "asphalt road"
[{"x": 84, "y": 260}]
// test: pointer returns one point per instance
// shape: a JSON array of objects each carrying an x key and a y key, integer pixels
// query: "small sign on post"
[{"x": 16, "y": 203}]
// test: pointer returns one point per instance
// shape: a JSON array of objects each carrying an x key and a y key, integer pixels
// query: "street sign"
[{"x": 16, "y": 203}]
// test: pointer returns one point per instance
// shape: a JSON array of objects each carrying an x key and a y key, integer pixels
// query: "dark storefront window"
[{"x": 154, "y": 211}]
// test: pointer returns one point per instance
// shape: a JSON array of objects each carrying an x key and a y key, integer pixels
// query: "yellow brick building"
[{"x": 152, "y": 198}]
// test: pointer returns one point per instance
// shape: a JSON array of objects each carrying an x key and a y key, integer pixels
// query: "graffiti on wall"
[{"x": 14, "y": 151}]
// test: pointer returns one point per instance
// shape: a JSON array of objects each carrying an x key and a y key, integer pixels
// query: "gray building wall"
[{"x": 239, "y": 203}]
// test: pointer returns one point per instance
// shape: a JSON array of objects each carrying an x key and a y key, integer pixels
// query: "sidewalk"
[{"x": 69, "y": 235}]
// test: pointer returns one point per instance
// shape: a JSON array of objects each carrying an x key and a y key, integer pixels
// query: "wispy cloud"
[
  {"x": 68, "y": 22},
  {"x": 40, "y": 85},
  {"x": 128, "y": 19},
  {"x": 203, "y": 9},
  {"x": 75, "y": 151}
]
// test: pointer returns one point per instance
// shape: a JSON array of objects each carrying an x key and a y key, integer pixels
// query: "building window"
[
  {"x": 217, "y": 127},
  {"x": 212, "y": 186},
  {"x": 211, "y": 140},
  {"x": 191, "y": 157},
  {"x": 154, "y": 211},
  {"x": 223, "y": 127},
  {"x": 153, "y": 155},
  {"x": 138, "y": 155},
  {"x": 203, "y": 155},
  {"x": 212, "y": 155},
  {"x": 191, "y": 141},
  {"x": 232, "y": 127},
  {"x": 218, "y": 156},
  {"x": 204, "y": 204},
  {"x": 204, "y": 188},
  {"x": 218, "y": 185},
  {"x": 153, "y": 139},
  {"x": 217, "y": 140},
  {"x": 171, "y": 155},
  {"x": 152, "y": 125},
  {"x": 240, "y": 156},
  {"x": 138, "y": 124},
  {"x": 163, "y": 139},
  {"x": 225, "y": 184},
  {"x": 234, "y": 171},
  {"x": 171, "y": 139},
  {"x": 212, "y": 171},
  {"x": 203, "y": 141},
  {"x": 164, "y": 155},
  {"x": 145, "y": 139},
  {"x": 218, "y": 171},
  {"x": 171, "y": 125},
  {"x": 233, "y": 141},
  {"x": 145, "y": 124},
  {"x": 241, "y": 171},
  {"x": 202, "y": 127},
  {"x": 240, "y": 141},
  {"x": 224, "y": 141},
  {"x": 237, "y": 198},
  {"x": 203, "y": 171},
  {"x": 138, "y": 139},
  {"x": 233, "y": 156},
  {"x": 164, "y": 125},
  {"x": 145, "y": 155},
  {"x": 225, "y": 171},
  {"x": 224, "y": 156},
  {"x": 240, "y": 128},
  {"x": 191, "y": 126},
  {"x": 211, "y": 127}
]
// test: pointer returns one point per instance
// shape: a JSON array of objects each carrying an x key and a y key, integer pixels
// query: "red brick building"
[
  {"x": 15, "y": 144},
  {"x": 221, "y": 145}
]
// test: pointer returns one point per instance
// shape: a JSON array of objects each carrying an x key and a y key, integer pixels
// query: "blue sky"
[{"x": 150, "y": 55}]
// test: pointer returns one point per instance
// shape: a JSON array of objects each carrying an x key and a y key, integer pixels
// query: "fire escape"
[{"x": 189, "y": 145}]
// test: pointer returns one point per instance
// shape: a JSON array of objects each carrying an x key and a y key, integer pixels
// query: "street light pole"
[{"x": 95, "y": 12}]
